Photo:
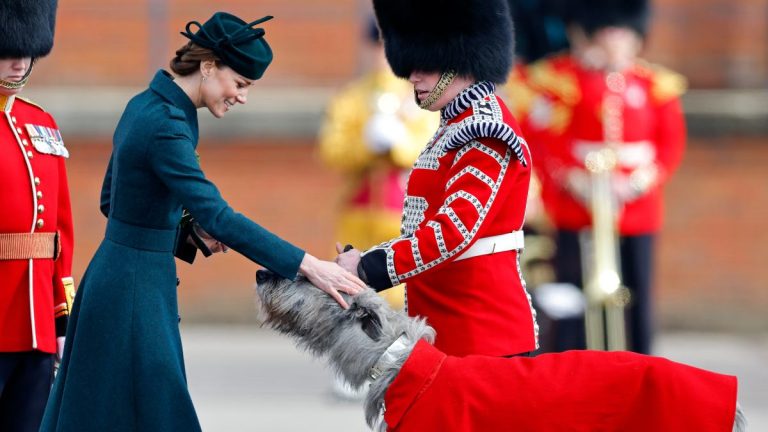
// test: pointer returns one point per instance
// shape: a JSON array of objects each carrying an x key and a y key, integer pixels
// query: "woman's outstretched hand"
[{"x": 331, "y": 278}]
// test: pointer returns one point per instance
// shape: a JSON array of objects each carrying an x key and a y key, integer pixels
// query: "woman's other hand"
[
  {"x": 331, "y": 278},
  {"x": 211, "y": 243}
]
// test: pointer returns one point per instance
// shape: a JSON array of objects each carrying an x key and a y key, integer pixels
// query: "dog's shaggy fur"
[{"x": 353, "y": 339}]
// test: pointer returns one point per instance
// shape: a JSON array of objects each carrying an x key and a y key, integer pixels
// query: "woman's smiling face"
[{"x": 222, "y": 88}]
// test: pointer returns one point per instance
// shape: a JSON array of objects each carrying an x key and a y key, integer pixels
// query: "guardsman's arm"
[
  {"x": 475, "y": 178},
  {"x": 63, "y": 283},
  {"x": 667, "y": 89}
]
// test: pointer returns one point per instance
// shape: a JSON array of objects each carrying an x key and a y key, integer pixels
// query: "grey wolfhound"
[{"x": 414, "y": 387}]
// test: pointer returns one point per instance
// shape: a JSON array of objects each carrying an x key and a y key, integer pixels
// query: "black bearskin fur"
[
  {"x": 472, "y": 37},
  {"x": 27, "y": 27},
  {"x": 592, "y": 15}
]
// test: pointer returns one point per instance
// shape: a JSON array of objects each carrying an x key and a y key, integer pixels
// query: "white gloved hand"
[
  {"x": 579, "y": 185},
  {"x": 622, "y": 189},
  {"x": 59, "y": 348},
  {"x": 383, "y": 131}
]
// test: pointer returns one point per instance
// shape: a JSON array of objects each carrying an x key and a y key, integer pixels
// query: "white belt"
[
  {"x": 494, "y": 244},
  {"x": 630, "y": 154}
]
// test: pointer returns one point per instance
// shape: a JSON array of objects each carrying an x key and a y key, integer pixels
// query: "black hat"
[
  {"x": 471, "y": 37},
  {"x": 593, "y": 15},
  {"x": 372, "y": 33},
  {"x": 235, "y": 42},
  {"x": 27, "y": 27},
  {"x": 540, "y": 27}
]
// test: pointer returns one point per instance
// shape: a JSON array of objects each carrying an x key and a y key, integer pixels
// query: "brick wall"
[
  {"x": 714, "y": 247},
  {"x": 711, "y": 265},
  {"x": 115, "y": 42},
  {"x": 716, "y": 43}
]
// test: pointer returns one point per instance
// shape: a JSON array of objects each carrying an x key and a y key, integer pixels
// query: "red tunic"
[
  {"x": 35, "y": 294},
  {"x": 590, "y": 391},
  {"x": 470, "y": 182},
  {"x": 564, "y": 121}
]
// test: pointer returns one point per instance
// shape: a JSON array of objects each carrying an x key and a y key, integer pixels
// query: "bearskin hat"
[
  {"x": 540, "y": 27},
  {"x": 471, "y": 37},
  {"x": 27, "y": 27},
  {"x": 592, "y": 15}
]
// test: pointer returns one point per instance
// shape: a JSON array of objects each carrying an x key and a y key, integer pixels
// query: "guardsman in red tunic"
[
  {"x": 601, "y": 92},
  {"x": 461, "y": 237},
  {"x": 35, "y": 224},
  {"x": 371, "y": 135}
]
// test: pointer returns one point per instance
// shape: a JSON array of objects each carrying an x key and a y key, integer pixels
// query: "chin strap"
[
  {"x": 19, "y": 84},
  {"x": 445, "y": 80}
]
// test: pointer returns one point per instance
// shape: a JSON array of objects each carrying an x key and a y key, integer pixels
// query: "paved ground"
[{"x": 247, "y": 379}]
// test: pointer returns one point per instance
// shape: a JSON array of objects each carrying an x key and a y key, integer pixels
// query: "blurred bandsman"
[
  {"x": 372, "y": 134},
  {"x": 602, "y": 94},
  {"x": 539, "y": 31},
  {"x": 35, "y": 225}
]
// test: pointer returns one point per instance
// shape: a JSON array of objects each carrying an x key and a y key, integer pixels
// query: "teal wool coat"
[{"x": 123, "y": 367}]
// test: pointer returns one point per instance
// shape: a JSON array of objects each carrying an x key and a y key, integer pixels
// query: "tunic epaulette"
[
  {"x": 5, "y": 102},
  {"x": 547, "y": 76},
  {"x": 665, "y": 83},
  {"x": 31, "y": 103},
  {"x": 486, "y": 121}
]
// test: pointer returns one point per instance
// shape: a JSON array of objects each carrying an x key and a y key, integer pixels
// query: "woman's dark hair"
[{"x": 188, "y": 58}]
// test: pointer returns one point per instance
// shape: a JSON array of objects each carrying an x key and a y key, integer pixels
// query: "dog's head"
[{"x": 353, "y": 338}]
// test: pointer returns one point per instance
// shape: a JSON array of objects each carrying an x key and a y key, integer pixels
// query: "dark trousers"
[
  {"x": 25, "y": 382},
  {"x": 636, "y": 254}
]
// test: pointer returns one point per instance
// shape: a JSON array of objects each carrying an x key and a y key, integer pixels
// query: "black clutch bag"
[{"x": 184, "y": 250}]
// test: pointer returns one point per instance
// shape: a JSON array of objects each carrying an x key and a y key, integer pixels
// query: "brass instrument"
[{"x": 606, "y": 297}]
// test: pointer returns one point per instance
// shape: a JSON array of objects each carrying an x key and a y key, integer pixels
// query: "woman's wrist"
[{"x": 308, "y": 264}]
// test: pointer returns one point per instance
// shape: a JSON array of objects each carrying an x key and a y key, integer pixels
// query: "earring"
[{"x": 205, "y": 77}]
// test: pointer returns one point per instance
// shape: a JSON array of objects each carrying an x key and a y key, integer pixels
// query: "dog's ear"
[{"x": 369, "y": 320}]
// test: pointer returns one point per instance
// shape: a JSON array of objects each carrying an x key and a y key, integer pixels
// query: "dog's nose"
[{"x": 263, "y": 276}]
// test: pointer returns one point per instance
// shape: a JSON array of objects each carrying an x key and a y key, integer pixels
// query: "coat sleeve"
[
  {"x": 475, "y": 178},
  {"x": 172, "y": 158},
  {"x": 63, "y": 283}
]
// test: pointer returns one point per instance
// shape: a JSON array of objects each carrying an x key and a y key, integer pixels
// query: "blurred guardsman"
[
  {"x": 372, "y": 133},
  {"x": 461, "y": 237},
  {"x": 602, "y": 94},
  {"x": 35, "y": 224}
]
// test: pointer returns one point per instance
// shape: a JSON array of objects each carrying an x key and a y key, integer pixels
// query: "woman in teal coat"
[{"x": 123, "y": 367}]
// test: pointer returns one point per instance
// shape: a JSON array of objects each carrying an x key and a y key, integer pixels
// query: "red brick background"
[
  {"x": 716, "y": 43},
  {"x": 713, "y": 261},
  {"x": 712, "y": 268}
]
